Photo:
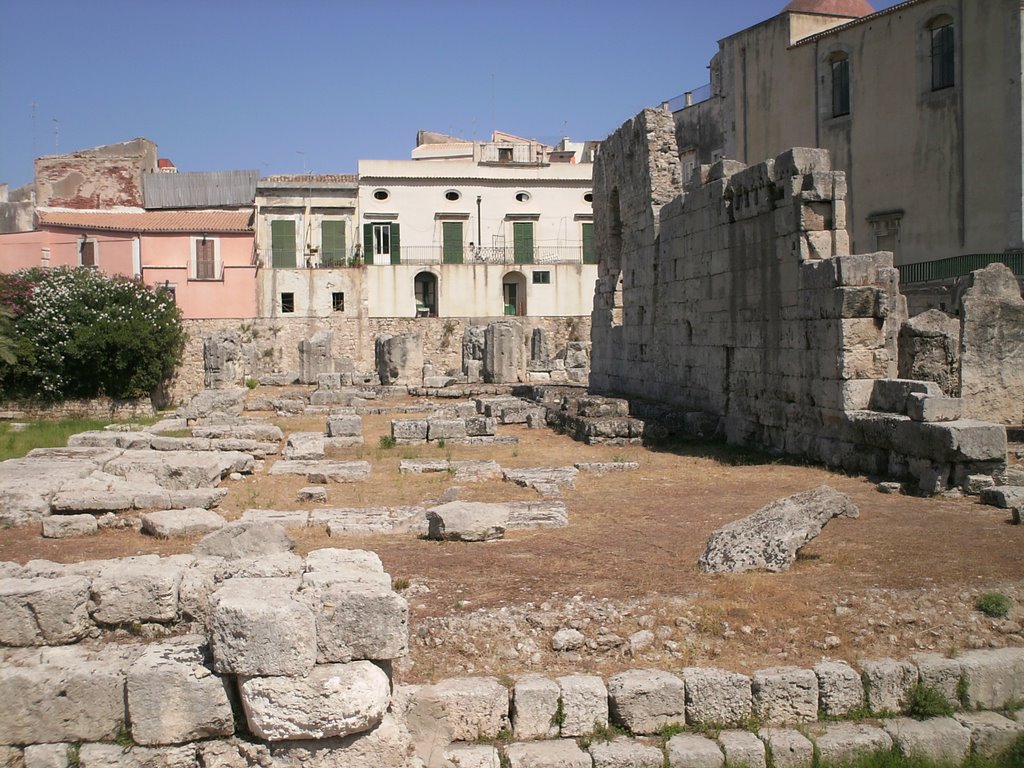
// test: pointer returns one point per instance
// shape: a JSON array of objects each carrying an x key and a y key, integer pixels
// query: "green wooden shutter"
[
  {"x": 589, "y": 251},
  {"x": 452, "y": 247},
  {"x": 332, "y": 243},
  {"x": 367, "y": 243},
  {"x": 282, "y": 243},
  {"x": 522, "y": 242},
  {"x": 396, "y": 257}
]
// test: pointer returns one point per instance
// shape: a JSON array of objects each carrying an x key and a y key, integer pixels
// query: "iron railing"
[
  {"x": 434, "y": 254},
  {"x": 958, "y": 266}
]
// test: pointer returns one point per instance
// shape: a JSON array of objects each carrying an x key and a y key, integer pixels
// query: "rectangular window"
[
  {"x": 504, "y": 154},
  {"x": 589, "y": 249},
  {"x": 338, "y": 301},
  {"x": 206, "y": 260},
  {"x": 282, "y": 243},
  {"x": 840, "y": 87},
  {"x": 943, "y": 58},
  {"x": 381, "y": 243},
  {"x": 522, "y": 242},
  {"x": 451, "y": 238},
  {"x": 87, "y": 254},
  {"x": 542, "y": 278},
  {"x": 332, "y": 244},
  {"x": 287, "y": 303}
]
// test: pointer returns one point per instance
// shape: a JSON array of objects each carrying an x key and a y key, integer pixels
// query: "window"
[
  {"x": 338, "y": 301},
  {"x": 282, "y": 244},
  {"x": 287, "y": 303},
  {"x": 381, "y": 194},
  {"x": 542, "y": 277},
  {"x": 205, "y": 252},
  {"x": 332, "y": 243},
  {"x": 522, "y": 242},
  {"x": 87, "y": 253},
  {"x": 452, "y": 195},
  {"x": 840, "y": 86},
  {"x": 588, "y": 197},
  {"x": 381, "y": 242},
  {"x": 523, "y": 197},
  {"x": 452, "y": 242},
  {"x": 943, "y": 53},
  {"x": 505, "y": 154},
  {"x": 589, "y": 251}
]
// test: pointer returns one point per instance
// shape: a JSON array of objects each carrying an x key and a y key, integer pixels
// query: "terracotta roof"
[
  {"x": 150, "y": 221},
  {"x": 852, "y": 9},
  {"x": 164, "y": 162}
]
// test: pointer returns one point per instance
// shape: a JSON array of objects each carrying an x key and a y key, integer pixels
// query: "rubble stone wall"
[{"x": 740, "y": 300}]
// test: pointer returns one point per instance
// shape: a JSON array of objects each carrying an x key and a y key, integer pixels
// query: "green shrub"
[
  {"x": 386, "y": 441},
  {"x": 252, "y": 383},
  {"x": 81, "y": 333},
  {"x": 926, "y": 702},
  {"x": 993, "y": 604}
]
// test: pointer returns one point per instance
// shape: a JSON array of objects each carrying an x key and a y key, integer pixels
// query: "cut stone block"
[
  {"x": 785, "y": 695},
  {"x": 560, "y": 753},
  {"x": 115, "y": 756},
  {"x": 409, "y": 430},
  {"x": 645, "y": 700},
  {"x": 472, "y": 756},
  {"x": 314, "y": 493},
  {"x": 467, "y": 521},
  {"x": 345, "y": 426},
  {"x": 472, "y": 707},
  {"x": 687, "y": 750},
  {"x": 840, "y": 688},
  {"x": 584, "y": 704},
  {"x": 332, "y": 700},
  {"x": 324, "y": 471},
  {"x": 67, "y": 526},
  {"x": 171, "y": 523},
  {"x": 284, "y": 518},
  {"x": 842, "y": 742},
  {"x": 995, "y": 678},
  {"x": 446, "y": 429},
  {"x": 716, "y": 697},
  {"x": 245, "y": 541},
  {"x": 135, "y": 590},
  {"x": 39, "y": 756},
  {"x": 174, "y": 697},
  {"x": 359, "y": 621},
  {"x": 742, "y": 748},
  {"x": 888, "y": 684},
  {"x": 534, "y": 707},
  {"x": 941, "y": 674},
  {"x": 991, "y": 733},
  {"x": 625, "y": 753},
  {"x": 176, "y": 470},
  {"x": 941, "y": 739},
  {"x": 789, "y": 749},
  {"x": 42, "y": 611},
  {"x": 304, "y": 446}
]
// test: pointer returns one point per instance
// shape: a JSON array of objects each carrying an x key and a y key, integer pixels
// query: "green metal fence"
[{"x": 958, "y": 266}]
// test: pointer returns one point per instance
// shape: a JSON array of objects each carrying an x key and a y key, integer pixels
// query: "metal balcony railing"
[
  {"x": 958, "y": 266},
  {"x": 425, "y": 254}
]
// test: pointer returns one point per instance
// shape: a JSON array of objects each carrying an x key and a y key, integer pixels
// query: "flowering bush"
[{"x": 81, "y": 333}]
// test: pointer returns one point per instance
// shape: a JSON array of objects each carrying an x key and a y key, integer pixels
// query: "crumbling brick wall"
[{"x": 103, "y": 177}]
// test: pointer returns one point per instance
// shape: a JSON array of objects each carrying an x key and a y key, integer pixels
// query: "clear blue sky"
[{"x": 284, "y": 86}]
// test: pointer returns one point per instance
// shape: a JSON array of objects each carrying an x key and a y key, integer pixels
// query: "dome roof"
[{"x": 853, "y": 9}]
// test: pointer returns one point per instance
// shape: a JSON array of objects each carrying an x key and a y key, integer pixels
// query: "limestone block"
[
  {"x": 644, "y": 700},
  {"x": 941, "y": 674},
  {"x": 789, "y": 749},
  {"x": 941, "y": 739},
  {"x": 324, "y": 471},
  {"x": 584, "y": 704},
  {"x": 45, "y": 756},
  {"x": 170, "y": 523},
  {"x": 359, "y": 621},
  {"x": 716, "y": 697},
  {"x": 242, "y": 541},
  {"x": 315, "y": 356},
  {"x": 1003, "y": 496},
  {"x": 475, "y": 471},
  {"x": 467, "y": 521},
  {"x": 480, "y": 426},
  {"x": 175, "y": 470},
  {"x": 471, "y": 707},
  {"x": 845, "y": 742},
  {"x": 840, "y": 688},
  {"x": 211, "y": 401},
  {"x": 351, "y": 575},
  {"x": 313, "y": 493},
  {"x": 399, "y": 359},
  {"x": 67, "y": 526},
  {"x": 887, "y": 684},
  {"x": 472, "y": 756},
  {"x": 304, "y": 446},
  {"x": 742, "y": 748},
  {"x": 991, "y": 733},
  {"x": 504, "y": 349},
  {"x": 932, "y": 408},
  {"x": 12, "y": 757},
  {"x": 560, "y": 753},
  {"x": 43, "y": 611},
  {"x": 534, "y": 707},
  {"x": 332, "y": 700},
  {"x": 174, "y": 697},
  {"x": 345, "y": 426},
  {"x": 785, "y": 695},
  {"x": 233, "y": 753},
  {"x": 386, "y": 745},
  {"x": 625, "y": 753},
  {"x": 114, "y": 756},
  {"x": 446, "y": 429},
  {"x": 332, "y": 558},
  {"x": 409, "y": 429},
  {"x": 259, "y": 627},
  {"x": 687, "y": 750},
  {"x": 995, "y": 678},
  {"x": 135, "y": 590},
  {"x": 64, "y": 695},
  {"x": 284, "y": 518}
]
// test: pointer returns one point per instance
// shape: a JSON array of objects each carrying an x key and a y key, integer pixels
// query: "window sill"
[{"x": 206, "y": 280}]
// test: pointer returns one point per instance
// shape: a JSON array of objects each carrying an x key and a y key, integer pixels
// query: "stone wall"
[
  {"x": 103, "y": 177},
  {"x": 95, "y": 408},
  {"x": 740, "y": 300}
]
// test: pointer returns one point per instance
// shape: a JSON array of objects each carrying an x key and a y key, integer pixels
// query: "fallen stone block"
[
  {"x": 332, "y": 700},
  {"x": 560, "y": 753},
  {"x": 770, "y": 538},
  {"x": 466, "y": 521},
  {"x": 343, "y": 521},
  {"x": 44, "y": 611},
  {"x": 687, "y": 749},
  {"x": 534, "y": 707},
  {"x": 625, "y": 753},
  {"x": 480, "y": 426},
  {"x": 645, "y": 700},
  {"x": 357, "y": 621},
  {"x": 584, "y": 704},
  {"x": 251, "y": 431},
  {"x": 991, "y": 733},
  {"x": 68, "y": 526},
  {"x": 174, "y": 697},
  {"x": 135, "y": 590},
  {"x": 312, "y": 493},
  {"x": 1003, "y": 496},
  {"x": 345, "y": 426},
  {"x": 941, "y": 739},
  {"x": 532, "y": 478},
  {"x": 304, "y": 446},
  {"x": 604, "y": 467},
  {"x": 172, "y": 523},
  {"x": 213, "y": 401},
  {"x": 475, "y": 471},
  {"x": 174, "y": 470},
  {"x": 324, "y": 471},
  {"x": 888, "y": 684},
  {"x": 409, "y": 430},
  {"x": 536, "y": 514},
  {"x": 716, "y": 697},
  {"x": 785, "y": 695},
  {"x": 244, "y": 541},
  {"x": 846, "y": 742},
  {"x": 471, "y": 707},
  {"x": 840, "y": 689}
]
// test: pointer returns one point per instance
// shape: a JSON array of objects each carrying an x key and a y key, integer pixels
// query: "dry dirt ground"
[{"x": 899, "y": 580}]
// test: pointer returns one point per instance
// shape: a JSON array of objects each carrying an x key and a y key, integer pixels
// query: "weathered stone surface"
[
  {"x": 135, "y": 590},
  {"x": 298, "y": 518},
  {"x": 742, "y": 748},
  {"x": 175, "y": 470},
  {"x": 584, "y": 704},
  {"x": 470, "y": 707},
  {"x": 304, "y": 446},
  {"x": 174, "y": 697},
  {"x": 259, "y": 627},
  {"x": 409, "y": 430},
  {"x": 536, "y": 514},
  {"x": 214, "y": 401},
  {"x": 534, "y": 706},
  {"x": 472, "y": 756},
  {"x": 313, "y": 493},
  {"x": 340, "y": 522},
  {"x": 995, "y": 678},
  {"x": 716, "y": 697},
  {"x": 345, "y": 426},
  {"x": 399, "y": 359},
  {"x": 504, "y": 350},
  {"x": 940, "y": 673},
  {"x": 28, "y": 484},
  {"x": 259, "y": 431},
  {"x": 114, "y": 756},
  {"x": 785, "y": 695},
  {"x": 481, "y": 426},
  {"x": 1003, "y": 496},
  {"x": 560, "y": 753},
  {"x": 991, "y": 733},
  {"x": 687, "y": 750},
  {"x": 324, "y": 471},
  {"x": 625, "y": 753},
  {"x": 44, "y": 756},
  {"x": 604, "y": 467},
  {"x": 242, "y": 541},
  {"x": 542, "y": 476},
  {"x": 332, "y": 700},
  {"x": 839, "y": 742},
  {"x": 386, "y": 745},
  {"x": 41, "y": 611},
  {"x": 67, "y": 526},
  {"x": 887, "y": 684},
  {"x": 840, "y": 689},
  {"x": 942, "y": 739},
  {"x": 170, "y": 523},
  {"x": 359, "y": 621},
  {"x": 315, "y": 356},
  {"x": 233, "y": 753},
  {"x": 568, "y": 639},
  {"x": 332, "y": 558},
  {"x": 789, "y": 749},
  {"x": 644, "y": 700},
  {"x": 446, "y": 429},
  {"x": 929, "y": 350},
  {"x": 770, "y": 538},
  {"x": 467, "y": 521}
]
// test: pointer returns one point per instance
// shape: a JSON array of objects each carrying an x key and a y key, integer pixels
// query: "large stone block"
[
  {"x": 332, "y": 700},
  {"x": 174, "y": 697},
  {"x": 742, "y": 748},
  {"x": 888, "y": 683},
  {"x": 584, "y": 704},
  {"x": 563, "y": 753},
  {"x": 386, "y": 745},
  {"x": 715, "y": 697},
  {"x": 356, "y": 620},
  {"x": 991, "y": 733},
  {"x": 688, "y": 750},
  {"x": 645, "y": 700},
  {"x": 115, "y": 756},
  {"x": 504, "y": 350},
  {"x": 535, "y": 707},
  {"x": 941, "y": 739},
  {"x": 845, "y": 742},
  {"x": 175, "y": 470},
  {"x": 785, "y": 695},
  {"x": 135, "y": 590},
  {"x": 469, "y": 708},
  {"x": 41, "y": 611},
  {"x": 995, "y": 678},
  {"x": 625, "y": 753},
  {"x": 409, "y": 429},
  {"x": 244, "y": 541},
  {"x": 345, "y": 426},
  {"x": 840, "y": 688},
  {"x": 399, "y": 359},
  {"x": 788, "y": 748}
]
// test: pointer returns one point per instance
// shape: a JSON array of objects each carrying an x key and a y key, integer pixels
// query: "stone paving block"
[
  {"x": 298, "y": 518},
  {"x": 170, "y": 523},
  {"x": 114, "y": 756},
  {"x": 785, "y": 695},
  {"x": 560, "y": 753},
  {"x": 788, "y": 748},
  {"x": 472, "y": 756},
  {"x": 471, "y": 707},
  {"x": 841, "y": 742},
  {"x": 887, "y": 684},
  {"x": 304, "y": 446},
  {"x": 45, "y": 756},
  {"x": 323, "y": 472},
  {"x": 940, "y": 673},
  {"x": 535, "y": 707},
  {"x": 446, "y": 429},
  {"x": 840, "y": 688},
  {"x": 345, "y": 426},
  {"x": 942, "y": 739},
  {"x": 716, "y": 697},
  {"x": 687, "y": 750},
  {"x": 135, "y": 590},
  {"x": 995, "y": 678},
  {"x": 174, "y": 697},
  {"x": 644, "y": 700},
  {"x": 625, "y": 753},
  {"x": 991, "y": 733},
  {"x": 409, "y": 430},
  {"x": 742, "y": 748},
  {"x": 359, "y": 621},
  {"x": 584, "y": 704},
  {"x": 44, "y": 611},
  {"x": 67, "y": 526}
]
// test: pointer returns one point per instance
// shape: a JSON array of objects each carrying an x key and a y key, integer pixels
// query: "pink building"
[{"x": 205, "y": 256}]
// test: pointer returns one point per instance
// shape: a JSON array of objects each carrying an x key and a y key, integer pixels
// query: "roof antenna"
[{"x": 56, "y": 134}]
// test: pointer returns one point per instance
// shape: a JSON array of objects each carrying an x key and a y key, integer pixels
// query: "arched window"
[
  {"x": 840, "y": 85},
  {"x": 943, "y": 52}
]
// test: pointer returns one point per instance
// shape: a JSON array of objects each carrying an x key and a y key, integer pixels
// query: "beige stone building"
[{"x": 920, "y": 104}]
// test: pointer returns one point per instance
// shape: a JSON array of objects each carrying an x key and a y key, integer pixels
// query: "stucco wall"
[{"x": 103, "y": 177}]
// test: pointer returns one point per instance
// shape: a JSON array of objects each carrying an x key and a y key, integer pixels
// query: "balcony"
[{"x": 426, "y": 255}]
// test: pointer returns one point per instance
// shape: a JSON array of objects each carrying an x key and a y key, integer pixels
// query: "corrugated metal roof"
[
  {"x": 150, "y": 221},
  {"x": 205, "y": 189}
]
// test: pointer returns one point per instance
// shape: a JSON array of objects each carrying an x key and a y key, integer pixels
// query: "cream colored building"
[{"x": 920, "y": 104}]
